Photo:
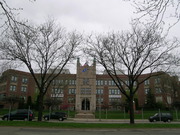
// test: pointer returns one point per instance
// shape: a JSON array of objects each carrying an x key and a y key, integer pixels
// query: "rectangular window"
[
  {"x": 157, "y": 80},
  {"x": 158, "y": 90},
  {"x": 114, "y": 92},
  {"x": 146, "y": 91},
  {"x": 72, "y": 82},
  {"x": 99, "y": 82},
  {"x": 99, "y": 91},
  {"x": 24, "y": 89},
  {"x": 24, "y": 80},
  {"x": 105, "y": 82},
  {"x": 146, "y": 82},
  {"x": 113, "y": 83},
  {"x": 13, "y": 88},
  {"x": 114, "y": 100},
  {"x": 57, "y": 91},
  {"x": 58, "y": 82},
  {"x": 14, "y": 78},
  {"x": 102, "y": 82},
  {"x": 110, "y": 82},
  {"x": 72, "y": 91}
]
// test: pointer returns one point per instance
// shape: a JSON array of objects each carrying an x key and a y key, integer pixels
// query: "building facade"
[{"x": 85, "y": 90}]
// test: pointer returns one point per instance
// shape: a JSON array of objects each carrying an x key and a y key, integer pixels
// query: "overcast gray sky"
[{"x": 82, "y": 15}]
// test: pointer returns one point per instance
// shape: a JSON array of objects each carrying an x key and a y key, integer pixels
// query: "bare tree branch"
[
  {"x": 157, "y": 12},
  {"x": 136, "y": 52},
  {"x": 45, "y": 47}
]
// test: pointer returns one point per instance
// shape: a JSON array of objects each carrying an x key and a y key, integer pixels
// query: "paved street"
[{"x": 45, "y": 131}]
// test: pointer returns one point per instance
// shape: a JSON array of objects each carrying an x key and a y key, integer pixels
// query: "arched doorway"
[{"x": 85, "y": 104}]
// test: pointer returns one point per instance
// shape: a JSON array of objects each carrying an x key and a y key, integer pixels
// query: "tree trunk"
[
  {"x": 40, "y": 107},
  {"x": 131, "y": 111}
]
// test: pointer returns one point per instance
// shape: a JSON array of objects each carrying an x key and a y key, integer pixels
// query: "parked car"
[
  {"x": 166, "y": 117},
  {"x": 20, "y": 114},
  {"x": 55, "y": 115}
]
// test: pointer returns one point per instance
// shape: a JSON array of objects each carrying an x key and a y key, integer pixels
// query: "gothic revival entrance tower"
[{"x": 86, "y": 87}]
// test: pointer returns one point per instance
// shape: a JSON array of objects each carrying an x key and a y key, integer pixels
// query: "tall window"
[
  {"x": 105, "y": 82},
  {"x": 157, "y": 80},
  {"x": 13, "y": 88},
  {"x": 14, "y": 78},
  {"x": 24, "y": 89},
  {"x": 99, "y": 82},
  {"x": 146, "y": 82},
  {"x": 111, "y": 82},
  {"x": 24, "y": 80},
  {"x": 146, "y": 91},
  {"x": 72, "y": 82},
  {"x": 158, "y": 90}
]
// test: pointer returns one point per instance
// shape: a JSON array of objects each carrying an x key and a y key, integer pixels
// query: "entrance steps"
[{"x": 85, "y": 115}]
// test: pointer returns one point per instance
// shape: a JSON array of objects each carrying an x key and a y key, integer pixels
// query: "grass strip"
[{"x": 86, "y": 125}]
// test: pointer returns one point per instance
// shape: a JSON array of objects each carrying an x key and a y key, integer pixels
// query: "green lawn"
[{"x": 85, "y": 125}]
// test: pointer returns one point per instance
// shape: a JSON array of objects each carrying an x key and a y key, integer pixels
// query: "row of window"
[
  {"x": 156, "y": 81},
  {"x": 13, "y": 88},
  {"x": 63, "y": 82},
  {"x": 105, "y": 82},
  {"x": 114, "y": 92},
  {"x": 86, "y": 91},
  {"x": 85, "y": 81},
  {"x": 110, "y": 82},
  {"x": 14, "y": 79},
  {"x": 157, "y": 90},
  {"x": 99, "y": 82}
]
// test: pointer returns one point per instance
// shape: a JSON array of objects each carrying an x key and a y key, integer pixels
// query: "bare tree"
[
  {"x": 44, "y": 47},
  {"x": 8, "y": 15},
  {"x": 158, "y": 12},
  {"x": 141, "y": 50}
]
